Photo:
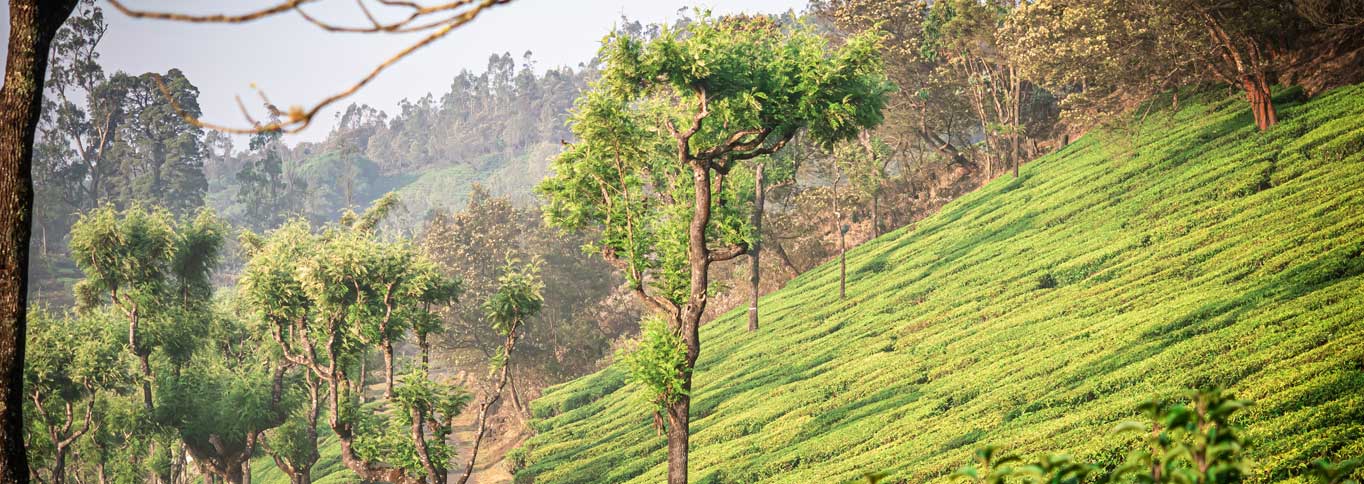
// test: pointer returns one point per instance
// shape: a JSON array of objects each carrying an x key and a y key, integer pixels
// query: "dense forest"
[{"x": 862, "y": 241}]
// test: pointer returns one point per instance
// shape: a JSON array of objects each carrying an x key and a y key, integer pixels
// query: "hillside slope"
[{"x": 1035, "y": 314}]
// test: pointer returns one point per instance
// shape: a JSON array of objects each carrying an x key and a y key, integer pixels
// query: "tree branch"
[{"x": 299, "y": 118}]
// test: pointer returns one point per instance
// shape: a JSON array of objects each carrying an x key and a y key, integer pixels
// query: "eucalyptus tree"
[
  {"x": 517, "y": 299},
  {"x": 201, "y": 380},
  {"x": 327, "y": 295},
  {"x": 660, "y": 134},
  {"x": 74, "y": 361}
]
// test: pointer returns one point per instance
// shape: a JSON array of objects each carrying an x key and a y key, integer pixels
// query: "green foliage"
[
  {"x": 517, "y": 298},
  {"x": 1257, "y": 294},
  {"x": 1183, "y": 443},
  {"x": 658, "y": 364},
  {"x": 742, "y": 88}
]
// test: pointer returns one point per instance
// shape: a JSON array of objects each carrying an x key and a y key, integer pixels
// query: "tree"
[
  {"x": 326, "y": 297},
  {"x": 1108, "y": 55},
  {"x": 200, "y": 376},
  {"x": 517, "y": 299},
  {"x": 267, "y": 194},
  {"x": 33, "y": 24},
  {"x": 930, "y": 105},
  {"x": 660, "y": 134},
  {"x": 75, "y": 359}
]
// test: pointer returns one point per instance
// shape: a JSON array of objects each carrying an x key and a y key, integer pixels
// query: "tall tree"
[
  {"x": 33, "y": 24},
  {"x": 660, "y": 134},
  {"x": 517, "y": 300}
]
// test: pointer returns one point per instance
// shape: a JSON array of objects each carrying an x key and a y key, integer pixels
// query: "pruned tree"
[
  {"x": 75, "y": 360},
  {"x": 659, "y": 137},
  {"x": 328, "y": 295},
  {"x": 200, "y": 378}
]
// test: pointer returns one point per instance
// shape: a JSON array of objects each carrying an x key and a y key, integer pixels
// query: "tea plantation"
[{"x": 1187, "y": 250}]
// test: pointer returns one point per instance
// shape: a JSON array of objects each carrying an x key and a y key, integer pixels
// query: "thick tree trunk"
[
  {"x": 33, "y": 23},
  {"x": 679, "y": 416},
  {"x": 1261, "y": 102},
  {"x": 754, "y": 252}
]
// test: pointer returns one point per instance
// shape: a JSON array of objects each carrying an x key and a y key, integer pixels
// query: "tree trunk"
[
  {"x": 876, "y": 214},
  {"x": 388, "y": 369},
  {"x": 33, "y": 23},
  {"x": 488, "y": 404},
  {"x": 1261, "y": 102},
  {"x": 59, "y": 466},
  {"x": 842, "y": 259},
  {"x": 364, "y": 371},
  {"x": 679, "y": 416},
  {"x": 754, "y": 252}
]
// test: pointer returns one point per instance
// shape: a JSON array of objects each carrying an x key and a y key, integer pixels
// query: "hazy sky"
[{"x": 297, "y": 63}]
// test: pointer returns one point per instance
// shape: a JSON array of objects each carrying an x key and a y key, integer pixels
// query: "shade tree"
[
  {"x": 201, "y": 382},
  {"x": 325, "y": 296},
  {"x": 76, "y": 360},
  {"x": 659, "y": 137}
]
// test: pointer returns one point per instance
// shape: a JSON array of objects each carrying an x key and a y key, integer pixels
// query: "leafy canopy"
[{"x": 707, "y": 96}]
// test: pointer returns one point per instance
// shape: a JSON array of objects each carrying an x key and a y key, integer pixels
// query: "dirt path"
[{"x": 506, "y": 432}]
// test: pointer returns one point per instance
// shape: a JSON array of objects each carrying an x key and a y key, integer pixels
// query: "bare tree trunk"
[
  {"x": 33, "y": 23},
  {"x": 488, "y": 404},
  {"x": 388, "y": 368},
  {"x": 1261, "y": 102},
  {"x": 754, "y": 252},
  {"x": 679, "y": 416}
]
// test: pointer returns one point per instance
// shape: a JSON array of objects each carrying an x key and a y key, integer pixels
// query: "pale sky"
[{"x": 294, "y": 62}]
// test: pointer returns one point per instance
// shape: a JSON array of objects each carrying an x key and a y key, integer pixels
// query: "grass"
[{"x": 1035, "y": 314}]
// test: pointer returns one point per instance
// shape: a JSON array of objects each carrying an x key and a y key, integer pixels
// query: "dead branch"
[{"x": 439, "y": 20}]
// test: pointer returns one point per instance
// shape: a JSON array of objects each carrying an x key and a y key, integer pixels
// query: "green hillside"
[{"x": 1036, "y": 313}]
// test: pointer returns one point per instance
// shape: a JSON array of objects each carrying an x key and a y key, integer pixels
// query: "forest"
[{"x": 1003, "y": 241}]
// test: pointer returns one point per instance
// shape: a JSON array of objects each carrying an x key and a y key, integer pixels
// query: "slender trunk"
[
  {"x": 100, "y": 474},
  {"x": 33, "y": 23},
  {"x": 425, "y": 349},
  {"x": 388, "y": 369},
  {"x": 843, "y": 231},
  {"x": 842, "y": 243},
  {"x": 59, "y": 466},
  {"x": 755, "y": 252},
  {"x": 487, "y": 405},
  {"x": 876, "y": 214},
  {"x": 364, "y": 372}
]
